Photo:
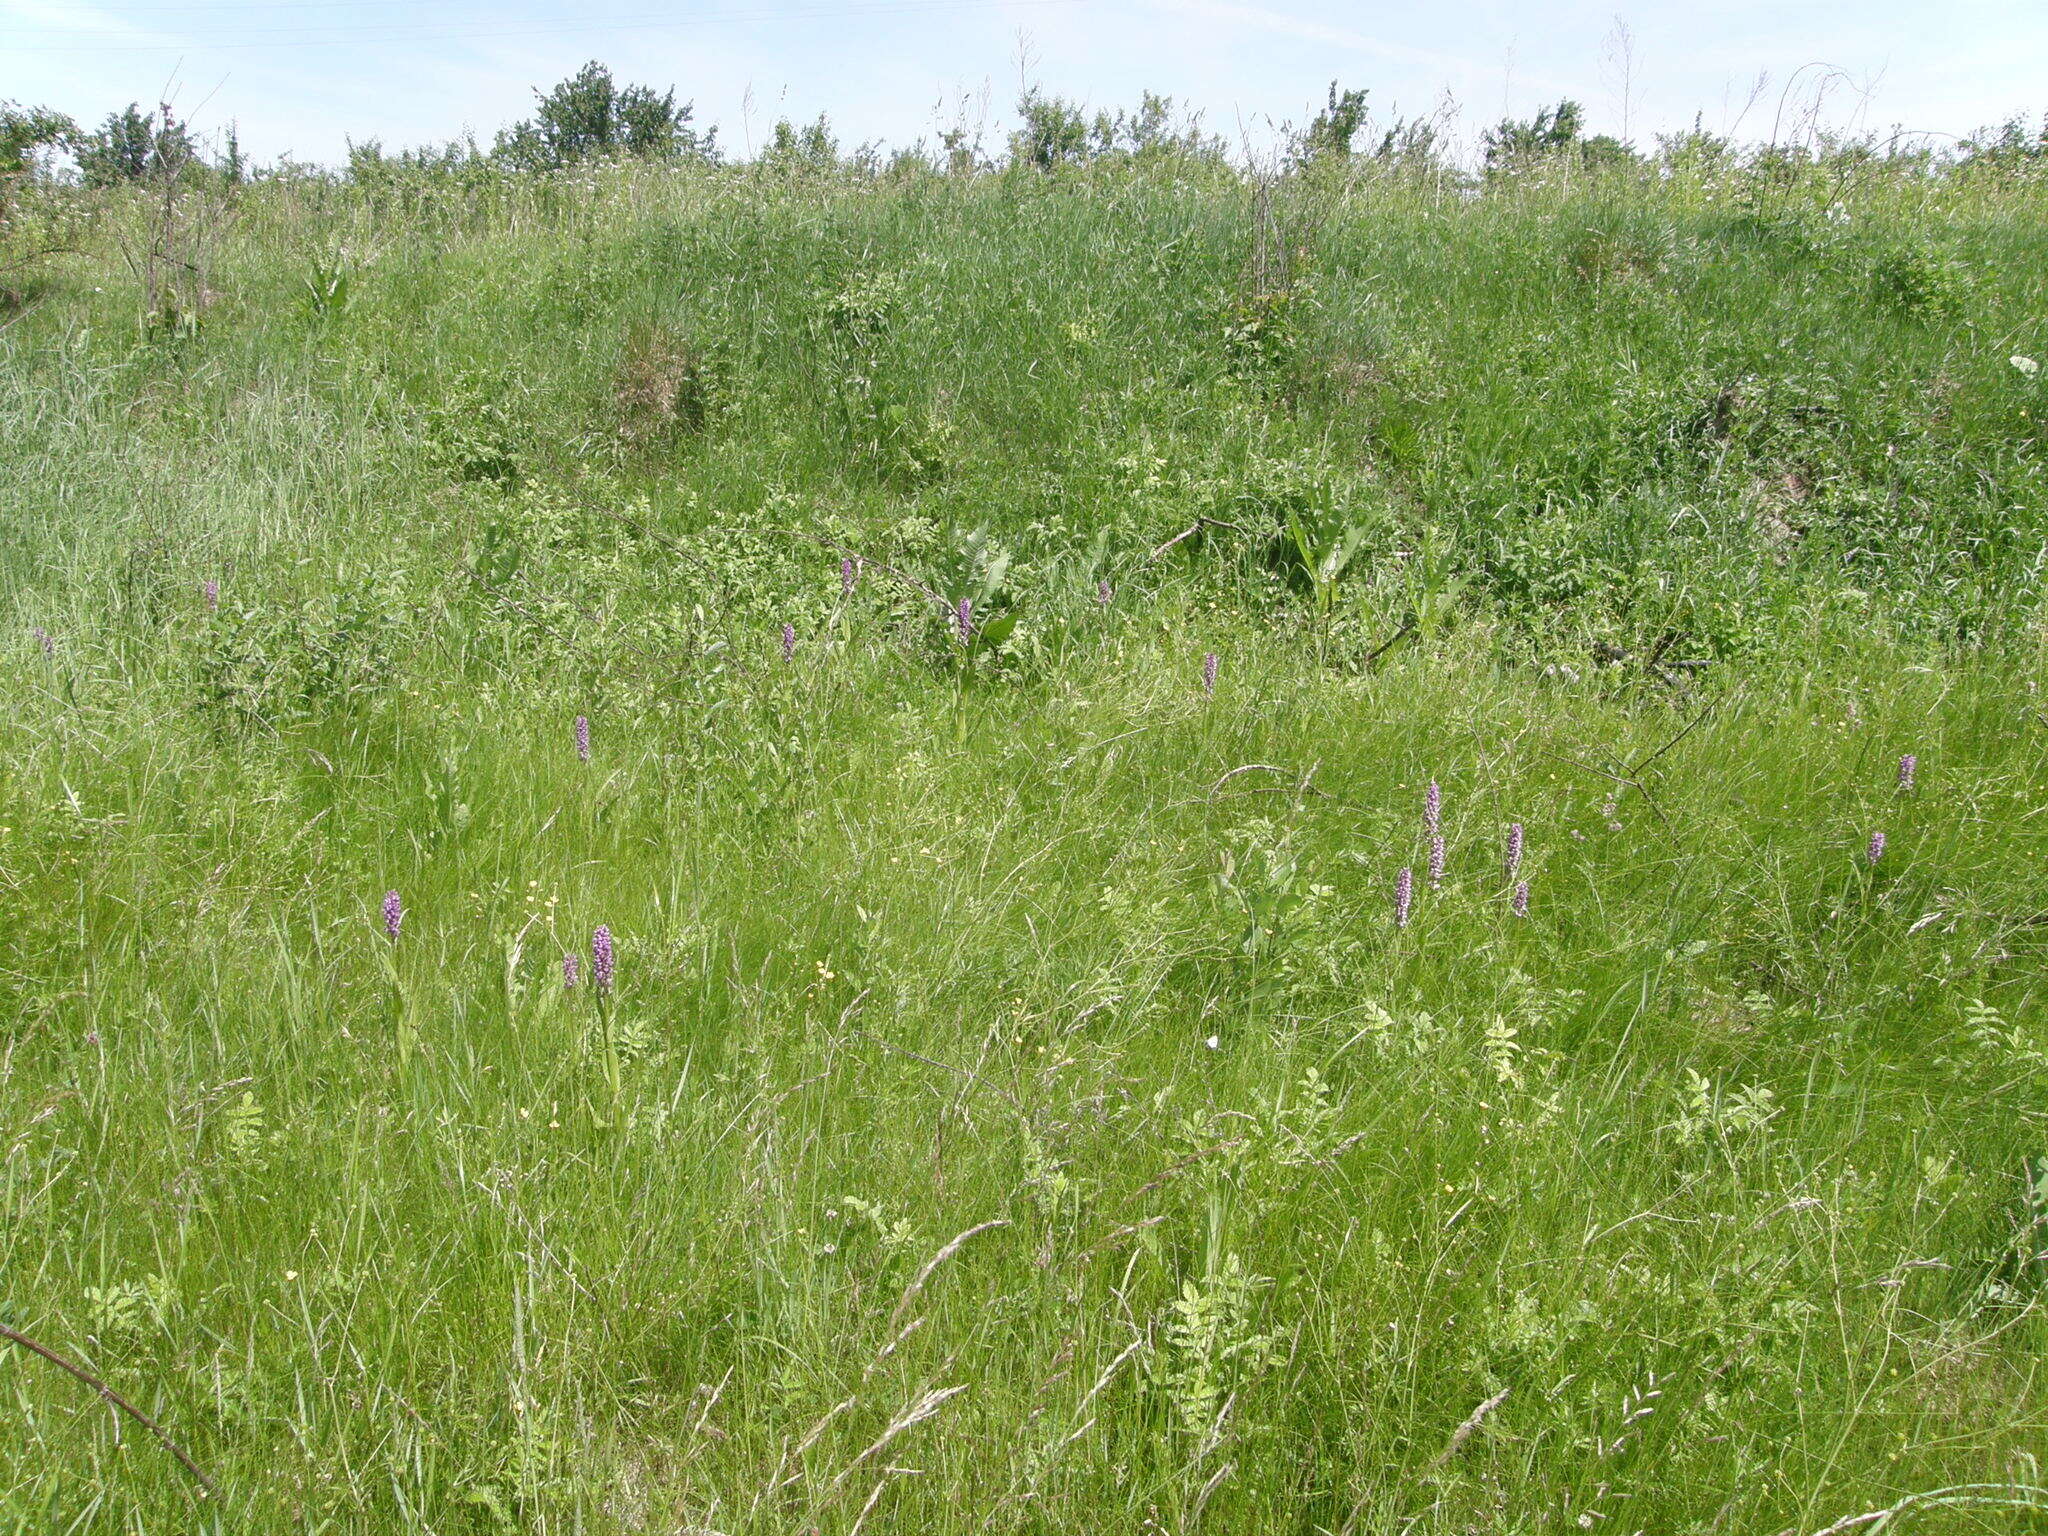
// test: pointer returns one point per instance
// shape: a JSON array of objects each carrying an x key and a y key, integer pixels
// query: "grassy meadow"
[{"x": 1025, "y": 1100}]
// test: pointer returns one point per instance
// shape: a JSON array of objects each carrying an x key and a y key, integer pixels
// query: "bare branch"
[{"x": 114, "y": 1398}]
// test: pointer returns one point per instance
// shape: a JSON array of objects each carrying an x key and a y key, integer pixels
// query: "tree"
[
  {"x": 1329, "y": 136},
  {"x": 133, "y": 144},
  {"x": 1554, "y": 133},
  {"x": 808, "y": 148},
  {"x": 23, "y": 131},
  {"x": 1053, "y": 132},
  {"x": 588, "y": 116},
  {"x": 1552, "y": 129}
]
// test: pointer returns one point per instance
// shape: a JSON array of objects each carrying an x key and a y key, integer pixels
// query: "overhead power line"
[{"x": 337, "y": 36}]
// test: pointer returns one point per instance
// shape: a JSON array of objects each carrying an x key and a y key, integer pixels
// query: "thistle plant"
[{"x": 1404, "y": 897}]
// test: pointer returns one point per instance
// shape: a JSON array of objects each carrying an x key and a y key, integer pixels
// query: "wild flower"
[
  {"x": 1514, "y": 858},
  {"x": 1209, "y": 667},
  {"x": 1433, "y": 809},
  {"x": 1404, "y": 897},
  {"x": 570, "y": 968},
  {"x": 1876, "y": 849},
  {"x": 2025, "y": 365},
  {"x": 212, "y": 594},
  {"x": 963, "y": 619},
  {"x": 1521, "y": 904},
  {"x": 394, "y": 914},
  {"x": 1908, "y": 766},
  {"x": 602, "y": 962},
  {"x": 1103, "y": 593},
  {"x": 44, "y": 639},
  {"x": 583, "y": 737},
  {"x": 849, "y": 576},
  {"x": 788, "y": 641},
  {"x": 1436, "y": 863}
]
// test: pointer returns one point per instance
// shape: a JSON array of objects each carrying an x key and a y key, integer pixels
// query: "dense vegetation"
[{"x": 981, "y": 641}]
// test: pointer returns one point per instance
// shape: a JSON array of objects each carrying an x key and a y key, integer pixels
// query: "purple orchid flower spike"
[
  {"x": 1514, "y": 858},
  {"x": 602, "y": 961},
  {"x": 583, "y": 737},
  {"x": 1909, "y": 765},
  {"x": 788, "y": 642},
  {"x": 570, "y": 968},
  {"x": 44, "y": 639},
  {"x": 1875, "y": 851},
  {"x": 1436, "y": 863},
  {"x": 1521, "y": 907},
  {"x": 1433, "y": 809},
  {"x": 1404, "y": 897},
  {"x": 1210, "y": 666},
  {"x": 963, "y": 620},
  {"x": 394, "y": 914},
  {"x": 1103, "y": 593},
  {"x": 849, "y": 576},
  {"x": 212, "y": 595}
]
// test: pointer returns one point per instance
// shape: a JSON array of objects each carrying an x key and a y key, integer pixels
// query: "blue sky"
[{"x": 304, "y": 76}]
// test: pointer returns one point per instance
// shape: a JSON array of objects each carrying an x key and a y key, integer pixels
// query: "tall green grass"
[{"x": 1018, "y": 1108}]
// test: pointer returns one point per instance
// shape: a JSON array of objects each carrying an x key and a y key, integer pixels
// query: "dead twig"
[
  {"x": 1191, "y": 530},
  {"x": 944, "y": 1066},
  {"x": 1175, "y": 1167},
  {"x": 115, "y": 1398},
  {"x": 1385, "y": 646},
  {"x": 1692, "y": 725},
  {"x": 1246, "y": 768}
]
